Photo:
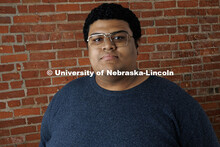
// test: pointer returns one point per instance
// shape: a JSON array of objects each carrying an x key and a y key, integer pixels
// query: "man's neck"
[{"x": 119, "y": 83}]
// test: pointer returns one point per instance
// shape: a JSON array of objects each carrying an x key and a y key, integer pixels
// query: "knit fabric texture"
[{"x": 156, "y": 113}]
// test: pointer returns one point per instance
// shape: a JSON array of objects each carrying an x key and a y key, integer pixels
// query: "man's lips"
[{"x": 109, "y": 57}]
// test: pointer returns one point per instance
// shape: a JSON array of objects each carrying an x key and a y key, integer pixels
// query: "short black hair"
[{"x": 113, "y": 11}]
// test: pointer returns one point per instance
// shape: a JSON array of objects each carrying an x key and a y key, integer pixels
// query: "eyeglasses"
[{"x": 119, "y": 39}]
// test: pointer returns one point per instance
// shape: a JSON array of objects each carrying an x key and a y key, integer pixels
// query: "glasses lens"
[
  {"x": 96, "y": 40},
  {"x": 120, "y": 39}
]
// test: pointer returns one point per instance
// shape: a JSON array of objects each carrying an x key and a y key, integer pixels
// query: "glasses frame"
[{"x": 109, "y": 35}]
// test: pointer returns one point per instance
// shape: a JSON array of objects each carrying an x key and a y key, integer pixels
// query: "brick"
[
  {"x": 55, "y": 36},
  {"x": 3, "y": 29},
  {"x": 161, "y": 55},
  {"x": 7, "y": 10},
  {"x": 35, "y": 65},
  {"x": 184, "y": 46},
  {"x": 214, "y": 35},
  {"x": 43, "y": 28},
  {"x": 143, "y": 57},
  {"x": 183, "y": 29},
  {"x": 69, "y": 54},
  {"x": 10, "y": 140},
  {"x": 36, "y": 46},
  {"x": 19, "y": 38},
  {"x": 194, "y": 29},
  {"x": 19, "y": 48},
  {"x": 32, "y": 137},
  {"x": 216, "y": 27},
  {"x": 165, "y": 22},
  {"x": 192, "y": 3},
  {"x": 22, "y": 9},
  {"x": 29, "y": 74},
  {"x": 183, "y": 21},
  {"x": 53, "y": 18},
  {"x": 20, "y": 29},
  {"x": 8, "y": 67},
  {"x": 141, "y": 5},
  {"x": 42, "y": 56},
  {"x": 10, "y": 1},
  {"x": 152, "y": 14},
  {"x": 161, "y": 30},
  {"x": 165, "y": 4},
  {"x": 206, "y": 28},
  {"x": 70, "y": 35},
  {"x": 67, "y": 7},
  {"x": 145, "y": 23},
  {"x": 41, "y": 8},
  {"x": 166, "y": 47},
  {"x": 13, "y": 122},
  {"x": 3, "y": 86},
  {"x": 5, "y": 20},
  {"x": 26, "y": 112},
  {"x": 207, "y": 3},
  {"x": 16, "y": 84},
  {"x": 63, "y": 45},
  {"x": 49, "y": 90},
  {"x": 23, "y": 130},
  {"x": 195, "y": 12},
  {"x": 149, "y": 64},
  {"x": 174, "y": 12},
  {"x": 6, "y": 49},
  {"x": 10, "y": 76},
  {"x": 157, "y": 39},
  {"x": 28, "y": 101},
  {"x": 13, "y": 58},
  {"x": 4, "y": 115},
  {"x": 26, "y": 19},
  {"x": 191, "y": 61},
  {"x": 14, "y": 103},
  {"x": 88, "y": 7},
  {"x": 208, "y": 106},
  {"x": 12, "y": 94},
  {"x": 53, "y": 1},
  {"x": 146, "y": 48},
  {"x": 62, "y": 80},
  {"x": 213, "y": 11},
  {"x": 170, "y": 63},
  {"x": 30, "y": 37},
  {"x": 211, "y": 58},
  {"x": 182, "y": 54},
  {"x": 208, "y": 20},
  {"x": 211, "y": 66},
  {"x": 37, "y": 82},
  {"x": 84, "y": 61},
  {"x": 184, "y": 69},
  {"x": 77, "y": 17},
  {"x": 70, "y": 27},
  {"x": 31, "y": 1},
  {"x": 8, "y": 39},
  {"x": 178, "y": 38},
  {"x": 202, "y": 44},
  {"x": 43, "y": 37},
  {"x": 4, "y": 133},
  {"x": 41, "y": 100},
  {"x": 63, "y": 63}
]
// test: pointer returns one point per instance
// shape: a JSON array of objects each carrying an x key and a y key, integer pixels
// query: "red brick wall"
[{"x": 37, "y": 35}]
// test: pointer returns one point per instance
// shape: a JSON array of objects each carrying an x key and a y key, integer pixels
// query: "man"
[{"x": 122, "y": 111}]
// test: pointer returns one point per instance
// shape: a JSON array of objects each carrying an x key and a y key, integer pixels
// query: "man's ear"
[{"x": 137, "y": 46}]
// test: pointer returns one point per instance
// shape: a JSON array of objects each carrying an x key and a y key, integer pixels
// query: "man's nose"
[{"x": 108, "y": 44}]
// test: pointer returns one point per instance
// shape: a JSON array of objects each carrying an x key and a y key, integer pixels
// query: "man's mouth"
[{"x": 109, "y": 57}]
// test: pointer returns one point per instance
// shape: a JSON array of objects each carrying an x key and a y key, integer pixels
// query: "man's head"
[
  {"x": 113, "y": 11},
  {"x": 111, "y": 33}
]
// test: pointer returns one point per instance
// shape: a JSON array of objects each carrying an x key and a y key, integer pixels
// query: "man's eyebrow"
[{"x": 109, "y": 33}]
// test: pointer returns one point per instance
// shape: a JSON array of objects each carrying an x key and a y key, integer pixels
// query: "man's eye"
[
  {"x": 99, "y": 39},
  {"x": 119, "y": 37}
]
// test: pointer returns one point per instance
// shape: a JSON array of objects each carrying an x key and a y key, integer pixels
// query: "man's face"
[{"x": 108, "y": 56}]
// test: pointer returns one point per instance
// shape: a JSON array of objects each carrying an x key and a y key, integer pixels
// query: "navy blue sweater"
[{"x": 156, "y": 113}]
